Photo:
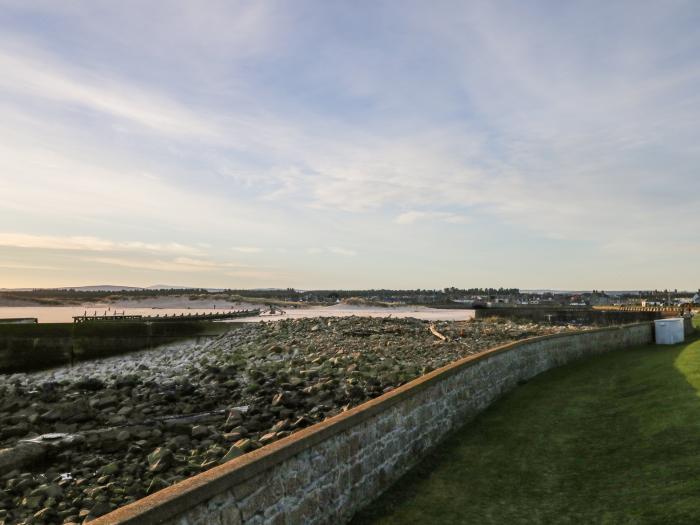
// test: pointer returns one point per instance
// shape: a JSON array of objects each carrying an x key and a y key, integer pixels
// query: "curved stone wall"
[{"x": 325, "y": 473}]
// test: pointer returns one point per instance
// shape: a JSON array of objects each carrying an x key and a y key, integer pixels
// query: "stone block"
[
  {"x": 244, "y": 489},
  {"x": 231, "y": 515}
]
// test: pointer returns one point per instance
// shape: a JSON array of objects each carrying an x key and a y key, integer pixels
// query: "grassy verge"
[{"x": 614, "y": 439}]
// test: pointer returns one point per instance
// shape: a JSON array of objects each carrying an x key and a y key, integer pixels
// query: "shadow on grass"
[{"x": 612, "y": 439}]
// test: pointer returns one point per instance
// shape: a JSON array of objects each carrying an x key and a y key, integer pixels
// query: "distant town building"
[{"x": 647, "y": 302}]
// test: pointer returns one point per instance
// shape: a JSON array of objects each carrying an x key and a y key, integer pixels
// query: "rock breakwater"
[{"x": 79, "y": 442}]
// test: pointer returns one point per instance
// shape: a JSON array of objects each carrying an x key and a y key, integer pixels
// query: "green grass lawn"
[{"x": 614, "y": 439}]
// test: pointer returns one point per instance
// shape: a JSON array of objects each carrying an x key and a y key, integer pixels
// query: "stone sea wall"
[
  {"x": 27, "y": 347},
  {"x": 325, "y": 473},
  {"x": 582, "y": 315}
]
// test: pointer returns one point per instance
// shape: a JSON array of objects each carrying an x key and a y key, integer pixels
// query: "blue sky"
[{"x": 350, "y": 144}]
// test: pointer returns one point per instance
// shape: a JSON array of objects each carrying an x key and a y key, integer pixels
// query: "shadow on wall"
[
  {"x": 586, "y": 316},
  {"x": 609, "y": 439},
  {"x": 27, "y": 347}
]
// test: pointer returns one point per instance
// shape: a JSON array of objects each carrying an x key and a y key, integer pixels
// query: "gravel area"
[{"x": 124, "y": 427}]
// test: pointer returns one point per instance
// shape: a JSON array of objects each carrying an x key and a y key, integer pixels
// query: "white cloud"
[
  {"x": 28, "y": 266},
  {"x": 86, "y": 243},
  {"x": 178, "y": 264},
  {"x": 335, "y": 250},
  {"x": 530, "y": 120},
  {"x": 259, "y": 275},
  {"x": 39, "y": 78},
  {"x": 342, "y": 251},
  {"x": 411, "y": 217},
  {"x": 156, "y": 265}
]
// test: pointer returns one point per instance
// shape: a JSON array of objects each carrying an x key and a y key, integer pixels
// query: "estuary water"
[
  {"x": 342, "y": 310},
  {"x": 65, "y": 314}
]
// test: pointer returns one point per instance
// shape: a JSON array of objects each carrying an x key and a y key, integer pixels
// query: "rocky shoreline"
[{"x": 79, "y": 442}]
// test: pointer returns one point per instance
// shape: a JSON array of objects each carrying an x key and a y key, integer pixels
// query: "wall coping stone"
[{"x": 182, "y": 496}]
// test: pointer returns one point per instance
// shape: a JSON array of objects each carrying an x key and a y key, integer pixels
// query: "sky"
[{"x": 366, "y": 144}]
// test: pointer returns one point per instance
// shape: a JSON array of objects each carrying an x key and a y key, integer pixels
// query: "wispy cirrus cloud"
[
  {"x": 258, "y": 275},
  {"x": 90, "y": 244},
  {"x": 184, "y": 265},
  {"x": 26, "y": 266},
  {"x": 177, "y": 264},
  {"x": 139, "y": 264},
  {"x": 40, "y": 78},
  {"x": 247, "y": 249},
  {"x": 411, "y": 217},
  {"x": 321, "y": 125},
  {"x": 334, "y": 250},
  {"x": 342, "y": 251}
]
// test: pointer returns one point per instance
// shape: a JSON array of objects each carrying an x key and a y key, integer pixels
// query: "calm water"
[
  {"x": 418, "y": 312},
  {"x": 64, "y": 314}
]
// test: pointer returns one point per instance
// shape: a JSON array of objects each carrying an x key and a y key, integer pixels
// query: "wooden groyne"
[
  {"x": 665, "y": 311},
  {"x": 162, "y": 318}
]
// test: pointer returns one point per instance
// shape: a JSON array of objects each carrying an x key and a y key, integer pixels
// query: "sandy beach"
[
  {"x": 177, "y": 306},
  {"x": 343, "y": 310}
]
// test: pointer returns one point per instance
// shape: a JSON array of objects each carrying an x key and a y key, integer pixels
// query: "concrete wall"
[
  {"x": 325, "y": 473},
  {"x": 567, "y": 315},
  {"x": 688, "y": 326},
  {"x": 27, "y": 347}
]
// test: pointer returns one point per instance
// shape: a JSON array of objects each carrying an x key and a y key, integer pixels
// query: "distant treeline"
[
  {"x": 289, "y": 294},
  {"x": 437, "y": 295},
  {"x": 417, "y": 296},
  {"x": 62, "y": 296},
  {"x": 384, "y": 295},
  {"x": 61, "y": 293}
]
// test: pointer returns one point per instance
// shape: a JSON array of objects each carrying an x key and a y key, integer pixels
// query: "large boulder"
[{"x": 160, "y": 459}]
